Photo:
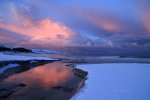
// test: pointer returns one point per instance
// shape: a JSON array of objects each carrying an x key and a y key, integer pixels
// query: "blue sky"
[{"x": 100, "y": 23}]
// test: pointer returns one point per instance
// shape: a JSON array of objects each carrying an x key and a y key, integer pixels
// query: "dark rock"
[
  {"x": 80, "y": 73},
  {"x": 22, "y": 85},
  {"x": 71, "y": 65},
  {"x": 58, "y": 87}
]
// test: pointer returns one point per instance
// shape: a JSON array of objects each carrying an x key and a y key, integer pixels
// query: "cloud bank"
[{"x": 100, "y": 23}]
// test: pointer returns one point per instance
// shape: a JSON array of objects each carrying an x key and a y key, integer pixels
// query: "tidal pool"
[
  {"x": 53, "y": 81},
  {"x": 116, "y": 81}
]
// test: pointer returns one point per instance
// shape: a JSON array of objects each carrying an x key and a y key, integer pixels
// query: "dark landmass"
[
  {"x": 17, "y": 49},
  {"x": 4, "y": 48},
  {"x": 21, "y": 50}
]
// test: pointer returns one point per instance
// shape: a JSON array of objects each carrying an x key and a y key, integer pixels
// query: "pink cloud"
[
  {"x": 45, "y": 31},
  {"x": 146, "y": 19}
]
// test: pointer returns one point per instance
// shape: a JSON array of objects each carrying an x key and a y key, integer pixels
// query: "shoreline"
[
  {"x": 99, "y": 60},
  {"x": 27, "y": 65}
]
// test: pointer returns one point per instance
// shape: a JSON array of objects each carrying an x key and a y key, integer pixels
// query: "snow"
[
  {"x": 6, "y": 57},
  {"x": 3, "y": 69},
  {"x": 43, "y": 51},
  {"x": 116, "y": 81}
]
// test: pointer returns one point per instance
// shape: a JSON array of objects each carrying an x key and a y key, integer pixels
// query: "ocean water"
[{"x": 116, "y": 81}]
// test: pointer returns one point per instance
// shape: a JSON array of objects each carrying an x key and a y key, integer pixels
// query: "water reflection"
[{"x": 53, "y": 81}]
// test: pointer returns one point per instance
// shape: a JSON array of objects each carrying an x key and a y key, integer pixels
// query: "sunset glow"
[{"x": 74, "y": 23}]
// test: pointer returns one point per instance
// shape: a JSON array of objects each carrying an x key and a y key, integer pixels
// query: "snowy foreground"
[
  {"x": 6, "y": 57},
  {"x": 116, "y": 81}
]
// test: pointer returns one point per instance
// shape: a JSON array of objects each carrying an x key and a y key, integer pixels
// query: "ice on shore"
[
  {"x": 4, "y": 68},
  {"x": 6, "y": 57}
]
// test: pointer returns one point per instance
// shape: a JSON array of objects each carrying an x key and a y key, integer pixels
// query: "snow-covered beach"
[
  {"x": 6, "y": 57},
  {"x": 116, "y": 81},
  {"x": 108, "y": 76}
]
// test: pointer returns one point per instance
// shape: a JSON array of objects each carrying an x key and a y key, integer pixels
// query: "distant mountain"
[{"x": 21, "y": 49}]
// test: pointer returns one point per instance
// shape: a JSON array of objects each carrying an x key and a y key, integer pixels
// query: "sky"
[{"x": 75, "y": 23}]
